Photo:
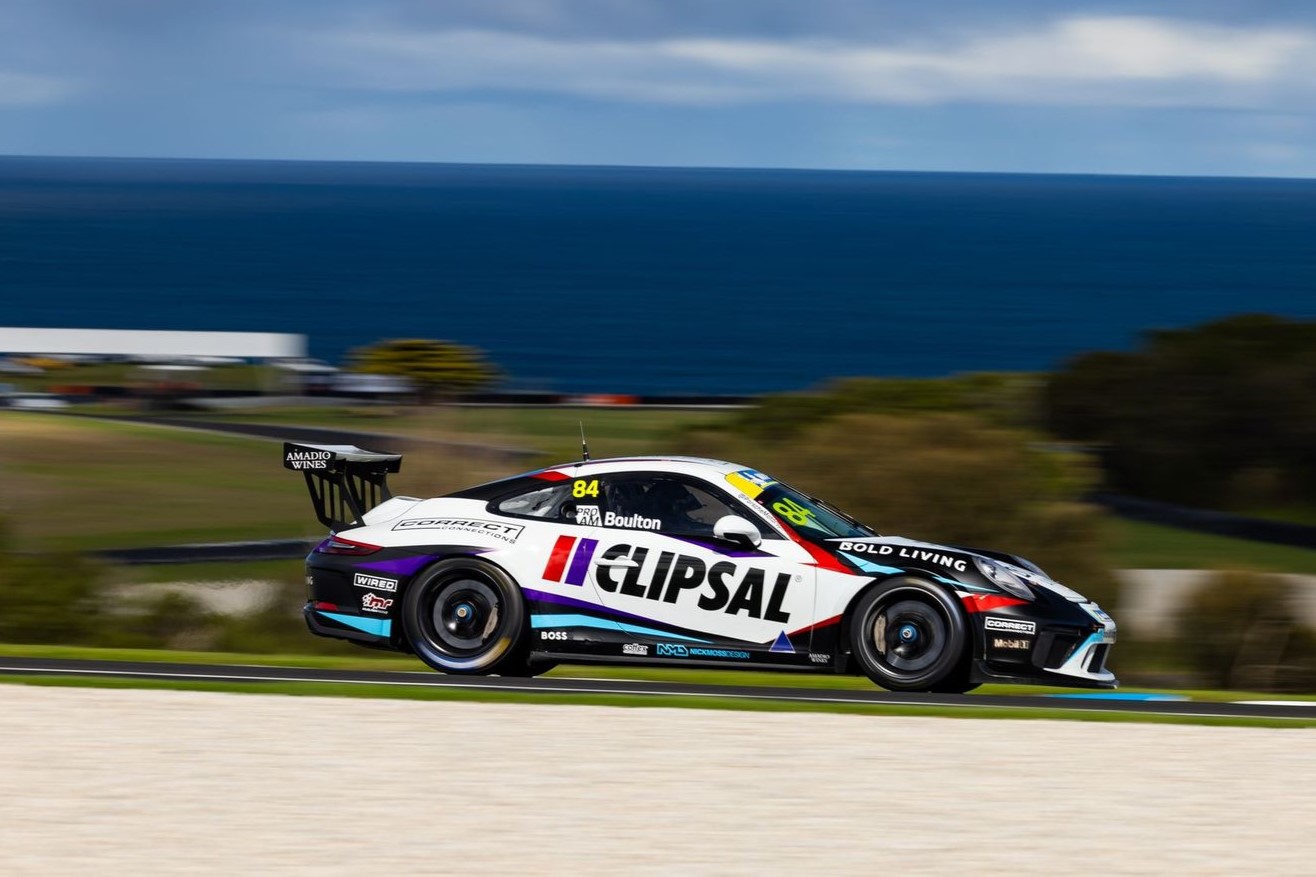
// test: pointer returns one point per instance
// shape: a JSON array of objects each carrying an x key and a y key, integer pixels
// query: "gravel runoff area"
[{"x": 99, "y": 781}]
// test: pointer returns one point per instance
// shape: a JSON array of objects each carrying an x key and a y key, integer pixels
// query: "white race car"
[{"x": 678, "y": 561}]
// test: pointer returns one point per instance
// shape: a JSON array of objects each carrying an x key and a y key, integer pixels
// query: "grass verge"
[
  {"x": 1136, "y": 545},
  {"x": 367, "y": 661}
]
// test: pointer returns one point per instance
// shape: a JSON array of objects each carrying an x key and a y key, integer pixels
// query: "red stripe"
[
  {"x": 988, "y": 602},
  {"x": 557, "y": 561},
  {"x": 551, "y": 475},
  {"x": 820, "y": 556}
]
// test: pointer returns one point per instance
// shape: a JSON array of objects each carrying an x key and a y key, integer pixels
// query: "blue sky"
[{"x": 1207, "y": 87}]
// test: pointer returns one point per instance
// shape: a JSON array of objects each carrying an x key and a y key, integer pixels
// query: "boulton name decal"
[
  {"x": 724, "y": 586},
  {"x": 590, "y": 516}
]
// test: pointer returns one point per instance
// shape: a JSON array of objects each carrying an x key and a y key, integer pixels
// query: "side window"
[
  {"x": 663, "y": 503},
  {"x": 550, "y": 503}
]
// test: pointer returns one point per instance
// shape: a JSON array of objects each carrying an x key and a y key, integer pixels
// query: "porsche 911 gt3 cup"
[{"x": 675, "y": 561}]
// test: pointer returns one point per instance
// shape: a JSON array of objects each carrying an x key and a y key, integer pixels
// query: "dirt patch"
[{"x": 133, "y": 782}]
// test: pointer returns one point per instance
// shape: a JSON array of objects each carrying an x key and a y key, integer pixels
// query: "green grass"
[
  {"x": 553, "y": 432},
  {"x": 78, "y": 484},
  {"x": 219, "y": 571},
  {"x": 1136, "y": 545},
  {"x": 121, "y": 374}
]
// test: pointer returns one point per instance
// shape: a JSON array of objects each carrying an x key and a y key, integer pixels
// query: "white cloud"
[
  {"x": 1080, "y": 60},
  {"x": 26, "y": 89}
]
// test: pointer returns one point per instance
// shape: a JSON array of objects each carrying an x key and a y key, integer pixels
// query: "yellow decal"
[
  {"x": 793, "y": 512},
  {"x": 583, "y": 488},
  {"x": 750, "y": 482}
]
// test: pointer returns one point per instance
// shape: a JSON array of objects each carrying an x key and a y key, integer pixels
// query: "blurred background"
[{"x": 1031, "y": 276}]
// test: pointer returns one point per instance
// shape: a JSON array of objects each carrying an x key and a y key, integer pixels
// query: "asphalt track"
[{"x": 1079, "y": 702}]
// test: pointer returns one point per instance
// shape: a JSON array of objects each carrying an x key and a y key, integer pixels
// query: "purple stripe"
[
  {"x": 580, "y": 562},
  {"x": 402, "y": 566},
  {"x": 546, "y": 597}
]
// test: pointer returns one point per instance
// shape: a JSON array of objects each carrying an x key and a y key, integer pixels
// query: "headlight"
[{"x": 1008, "y": 581}]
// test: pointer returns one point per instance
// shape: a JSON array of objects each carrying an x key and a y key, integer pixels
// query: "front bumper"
[{"x": 1055, "y": 642}]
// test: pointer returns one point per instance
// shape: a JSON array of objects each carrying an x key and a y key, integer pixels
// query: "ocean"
[{"x": 646, "y": 280}]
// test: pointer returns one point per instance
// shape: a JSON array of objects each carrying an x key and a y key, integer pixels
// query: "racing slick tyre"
[
  {"x": 464, "y": 615},
  {"x": 910, "y": 635}
]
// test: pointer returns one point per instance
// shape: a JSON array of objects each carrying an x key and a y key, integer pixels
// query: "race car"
[{"x": 675, "y": 561}]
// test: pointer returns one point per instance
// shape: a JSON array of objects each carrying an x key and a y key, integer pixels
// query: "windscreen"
[{"x": 809, "y": 517}]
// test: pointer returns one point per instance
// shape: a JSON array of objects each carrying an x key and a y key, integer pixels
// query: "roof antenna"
[{"x": 584, "y": 448}]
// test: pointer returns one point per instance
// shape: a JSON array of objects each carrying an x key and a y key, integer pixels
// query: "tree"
[
  {"x": 1223, "y": 414},
  {"x": 439, "y": 369}
]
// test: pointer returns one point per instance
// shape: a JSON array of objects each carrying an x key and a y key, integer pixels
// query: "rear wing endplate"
[{"x": 344, "y": 481}]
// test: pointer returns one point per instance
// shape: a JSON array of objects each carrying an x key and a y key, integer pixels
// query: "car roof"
[{"x": 698, "y": 466}]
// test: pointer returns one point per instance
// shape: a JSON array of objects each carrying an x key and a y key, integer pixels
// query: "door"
[{"x": 660, "y": 567}]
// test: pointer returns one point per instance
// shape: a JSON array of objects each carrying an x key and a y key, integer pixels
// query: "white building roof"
[{"x": 141, "y": 342}]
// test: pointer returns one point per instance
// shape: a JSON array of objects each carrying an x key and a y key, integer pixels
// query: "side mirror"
[{"x": 736, "y": 529}]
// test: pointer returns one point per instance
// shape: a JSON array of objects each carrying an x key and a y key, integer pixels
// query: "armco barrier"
[{"x": 1206, "y": 521}]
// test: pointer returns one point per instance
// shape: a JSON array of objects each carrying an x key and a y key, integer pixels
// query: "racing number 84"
[
  {"x": 583, "y": 488},
  {"x": 792, "y": 511}
]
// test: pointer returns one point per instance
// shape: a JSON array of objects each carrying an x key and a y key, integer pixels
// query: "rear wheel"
[
  {"x": 910, "y": 635},
  {"x": 465, "y": 616}
]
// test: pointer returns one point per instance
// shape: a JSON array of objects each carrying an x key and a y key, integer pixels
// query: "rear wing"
[{"x": 344, "y": 481}]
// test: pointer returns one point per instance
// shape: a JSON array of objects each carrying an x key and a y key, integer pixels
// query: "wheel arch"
[
  {"x": 442, "y": 556},
  {"x": 843, "y": 639},
  {"x": 437, "y": 555}
]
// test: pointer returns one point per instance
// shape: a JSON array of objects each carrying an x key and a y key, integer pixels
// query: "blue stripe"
[
  {"x": 869, "y": 566},
  {"x": 564, "y": 620},
  {"x": 377, "y": 626}
]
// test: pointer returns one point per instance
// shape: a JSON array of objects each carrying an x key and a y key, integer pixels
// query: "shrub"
[
  {"x": 1222, "y": 414},
  {"x": 50, "y": 599},
  {"x": 1240, "y": 630}
]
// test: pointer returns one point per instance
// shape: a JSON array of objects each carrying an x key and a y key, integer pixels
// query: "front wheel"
[
  {"x": 910, "y": 635},
  {"x": 464, "y": 615}
]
